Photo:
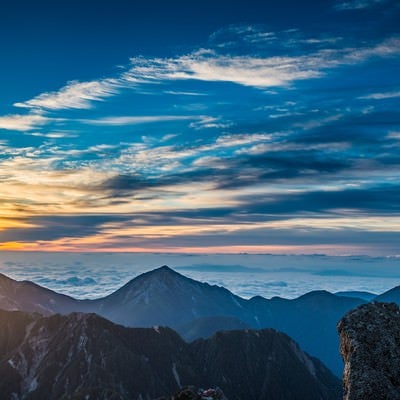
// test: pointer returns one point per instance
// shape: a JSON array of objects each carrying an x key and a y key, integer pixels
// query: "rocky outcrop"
[{"x": 370, "y": 347}]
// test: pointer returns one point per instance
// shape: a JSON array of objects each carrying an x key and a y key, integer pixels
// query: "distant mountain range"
[
  {"x": 367, "y": 296},
  {"x": 195, "y": 309},
  {"x": 86, "y": 357}
]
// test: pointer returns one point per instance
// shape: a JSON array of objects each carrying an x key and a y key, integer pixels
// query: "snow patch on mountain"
[{"x": 176, "y": 375}]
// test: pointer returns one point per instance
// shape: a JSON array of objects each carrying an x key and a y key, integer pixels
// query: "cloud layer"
[{"x": 88, "y": 275}]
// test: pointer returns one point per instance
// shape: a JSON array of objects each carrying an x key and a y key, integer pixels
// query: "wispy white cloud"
[
  {"x": 211, "y": 66},
  {"x": 79, "y": 95},
  {"x": 179, "y": 93},
  {"x": 386, "y": 48},
  {"x": 323, "y": 40},
  {"x": 258, "y": 72},
  {"x": 380, "y": 96},
  {"x": 393, "y": 135},
  {"x": 135, "y": 120},
  {"x": 53, "y": 135},
  {"x": 210, "y": 122},
  {"x": 251, "y": 34},
  {"x": 207, "y": 65},
  {"x": 16, "y": 122},
  {"x": 357, "y": 4},
  {"x": 318, "y": 122}
]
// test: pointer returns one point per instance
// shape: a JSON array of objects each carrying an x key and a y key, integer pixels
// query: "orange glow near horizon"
[
  {"x": 117, "y": 237},
  {"x": 14, "y": 246},
  {"x": 261, "y": 249}
]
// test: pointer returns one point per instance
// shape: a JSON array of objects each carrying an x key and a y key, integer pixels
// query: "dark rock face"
[
  {"x": 83, "y": 356},
  {"x": 263, "y": 364},
  {"x": 370, "y": 347}
]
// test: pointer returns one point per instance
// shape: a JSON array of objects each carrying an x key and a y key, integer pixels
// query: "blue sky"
[{"x": 245, "y": 127}]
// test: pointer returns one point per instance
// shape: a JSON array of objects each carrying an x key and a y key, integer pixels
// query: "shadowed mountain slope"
[
  {"x": 207, "y": 326},
  {"x": 81, "y": 355},
  {"x": 390, "y": 296},
  {"x": 367, "y": 296},
  {"x": 28, "y": 296},
  {"x": 165, "y": 297}
]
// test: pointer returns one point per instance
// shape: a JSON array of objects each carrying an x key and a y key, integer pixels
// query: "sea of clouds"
[{"x": 92, "y": 275}]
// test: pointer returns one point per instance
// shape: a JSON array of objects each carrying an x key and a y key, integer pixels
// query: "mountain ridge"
[
  {"x": 85, "y": 356},
  {"x": 166, "y": 297}
]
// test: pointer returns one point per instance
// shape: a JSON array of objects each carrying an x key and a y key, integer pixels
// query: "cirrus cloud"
[
  {"x": 16, "y": 122},
  {"x": 75, "y": 94}
]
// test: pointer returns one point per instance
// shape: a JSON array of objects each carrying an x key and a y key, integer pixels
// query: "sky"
[{"x": 200, "y": 127}]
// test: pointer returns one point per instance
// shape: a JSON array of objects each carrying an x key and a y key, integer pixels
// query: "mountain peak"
[
  {"x": 164, "y": 268},
  {"x": 165, "y": 297},
  {"x": 163, "y": 274},
  {"x": 160, "y": 274},
  {"x": 150, "y": 285}
]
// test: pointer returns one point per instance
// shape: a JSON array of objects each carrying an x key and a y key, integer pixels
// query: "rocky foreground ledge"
[{"x": 370, "y": 348}]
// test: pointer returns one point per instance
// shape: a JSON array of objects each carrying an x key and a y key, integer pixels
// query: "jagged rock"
[{"x": 370, "y": 347}]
